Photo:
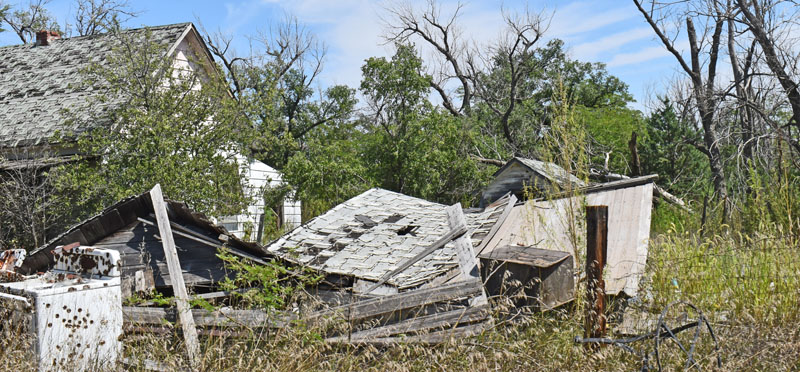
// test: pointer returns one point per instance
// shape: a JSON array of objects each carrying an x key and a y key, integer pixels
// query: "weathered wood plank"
[
  {"x": 405, "y": 300},
  {"x": 174, "y": 265},
  {"x": 433, "y": 321},
  {"x": 430, "y": 338},
  {"x": 467, "y": 262},
  {"x": 136, "y": 315},
  {"x": 500, "y": 221},
  {"x": 188, "y": 234}
]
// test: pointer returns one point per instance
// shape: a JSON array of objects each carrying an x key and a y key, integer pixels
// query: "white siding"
[
  {"x": 559, "y": 225},
  {"x": 259, "y": 176}
]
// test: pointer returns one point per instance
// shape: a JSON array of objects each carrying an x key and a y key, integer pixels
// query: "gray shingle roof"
[
  {"x": 551, "y": 171},
  {"x": 37, "y": 83},
  {"x": 373, "y": 233}
]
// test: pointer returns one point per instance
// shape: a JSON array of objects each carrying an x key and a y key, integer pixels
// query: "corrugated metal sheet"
[{"x": 559, "y": 225}]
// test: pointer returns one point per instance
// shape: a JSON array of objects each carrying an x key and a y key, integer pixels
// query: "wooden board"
[
  {"x": 178, "y": 287},
  {"x": 552, "y": 224},
  {"x": 401, "y": 301}
]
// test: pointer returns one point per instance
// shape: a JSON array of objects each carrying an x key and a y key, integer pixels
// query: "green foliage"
[
  {"x": 610, "y": 129},
  {"x": 551, "y": 79},
  {"x": 413, "y": 148},
  {"x": 331, "y": 169},
  {"x": 270, "y": 285},
  {"x": 665, "y": 150},
  {"x": 166, "y": 126}
]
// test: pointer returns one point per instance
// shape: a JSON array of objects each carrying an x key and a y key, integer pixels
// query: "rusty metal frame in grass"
[{"x": 662, "y": 333}]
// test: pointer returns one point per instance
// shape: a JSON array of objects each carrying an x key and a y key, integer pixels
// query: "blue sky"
[{"x": 608, "y": 31}]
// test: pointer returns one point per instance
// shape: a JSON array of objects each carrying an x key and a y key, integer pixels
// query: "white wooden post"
[
  {"x": 465, "y": 254},
  {"x": 176, "y": 276}
]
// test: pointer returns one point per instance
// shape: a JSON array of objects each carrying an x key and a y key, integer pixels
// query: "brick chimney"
[{"x": 44, "y": 37}]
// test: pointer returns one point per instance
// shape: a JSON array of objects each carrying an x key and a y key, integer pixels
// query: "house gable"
[{"x": 38, "y": 84}]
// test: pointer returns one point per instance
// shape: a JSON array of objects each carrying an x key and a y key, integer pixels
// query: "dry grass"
[{"x": 748, "y": 287}]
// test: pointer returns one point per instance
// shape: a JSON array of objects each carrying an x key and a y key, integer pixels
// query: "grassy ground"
[{"x": 748, "y": 286}]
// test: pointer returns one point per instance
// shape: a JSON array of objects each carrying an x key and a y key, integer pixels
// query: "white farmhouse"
[{"x": 39, "y": 82}]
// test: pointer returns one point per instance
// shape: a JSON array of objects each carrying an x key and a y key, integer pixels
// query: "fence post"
[{"x": 596, "y": 249}]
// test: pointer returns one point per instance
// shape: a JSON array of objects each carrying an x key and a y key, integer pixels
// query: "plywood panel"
[{"x": 559, "y": 225}]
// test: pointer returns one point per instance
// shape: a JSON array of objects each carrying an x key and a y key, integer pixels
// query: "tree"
[
  {"x": 701, "y": 68},
  {"x": 25, "y": 22},
  {"x": 666, "y": 151},
  {"x": 414, "y": 148},
  {"x": 94, "y": 17},
  {"x": 274, "y": 86},
  {"x": 27, "y": 203},
  {"x": 174, "y": 127},
  {"x": 764, "y": 20}
]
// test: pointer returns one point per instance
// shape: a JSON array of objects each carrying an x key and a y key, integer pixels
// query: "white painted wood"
[
  {"x": 176, "y": 275},
  {"x": 259, "y": 176},
  {"x": 465, "y": 254},
  {"x": 558, "y": 225}
]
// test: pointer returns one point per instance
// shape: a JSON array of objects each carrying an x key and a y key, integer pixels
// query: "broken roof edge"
[
  {"x": 38, "y": 258},
  {"x": 539, "y": 166},
  {"x": 283, "y": 238},
  {"x": 606, "y": 186}
]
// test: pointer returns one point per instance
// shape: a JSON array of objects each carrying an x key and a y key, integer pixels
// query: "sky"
[{"x": 607, "y": 31}]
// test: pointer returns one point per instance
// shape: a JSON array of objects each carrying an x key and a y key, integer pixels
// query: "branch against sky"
[
  {"x": 26, "y": 20},
  {"x": 93, "y": 17}
]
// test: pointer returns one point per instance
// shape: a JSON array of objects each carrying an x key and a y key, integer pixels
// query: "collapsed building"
[{"x": 395, "y": 268}]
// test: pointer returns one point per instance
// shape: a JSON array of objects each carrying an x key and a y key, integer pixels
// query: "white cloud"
[
  {"x": 643, "y": 55},
  {"x": 239, "y": 14},
  {"x": 591, "y": 50},
  {"x": 581, "y": 17}
]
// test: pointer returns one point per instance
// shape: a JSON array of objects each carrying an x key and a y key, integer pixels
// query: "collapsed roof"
[
  {"x": 129, "y": 227},
  {"x": 373, "y": 233}
]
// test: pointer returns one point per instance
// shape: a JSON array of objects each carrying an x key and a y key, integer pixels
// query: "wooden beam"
[
  {"x": 499, "y": 223},
  {"x": 188, "y": 234},
  {"x": 401, "y": 301},
  {"x": 465, "y": 254},
  {"x": 596, "y": 251},
  {"x": 138, "y": 315},
  {"x": 431, "y": 338},
  {"x": 176, "y": 276},
  {"x": 448, "y": 319}
]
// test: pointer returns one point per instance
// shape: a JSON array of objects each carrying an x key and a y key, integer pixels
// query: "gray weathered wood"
[
  {"x": 454, "y": 233},
  {"x": 503, "y": 217},
  {"x": 188, "y": 234},
  {"x": 174, "y": 266},
  {"x": 467, "y": 262},
  {"x": 223, "y": 318},
  {"x": 405, "y": 300},
  {"x": 430, "y": 338},
  {"x": 433, "y": 321}
]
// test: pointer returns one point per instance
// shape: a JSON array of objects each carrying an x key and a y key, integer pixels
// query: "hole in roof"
[
  {"x": 393, "y": 218},
  {"x": 407, "y": 230}
]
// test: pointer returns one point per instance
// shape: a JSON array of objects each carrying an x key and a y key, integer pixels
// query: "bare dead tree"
[
  {"x": 27, "y": 207},
  {"x": 26, "y": 21},
  {"x": 701, "y": 67},
  {"x": 523, "y": 32},
  {"x": 461, "y": 62},
  {"x": 282, "y": 47},
  {"x": 93, "y": 17},
  {"x": 760, "y": 19},
  {"x": 443, "y": 34}
]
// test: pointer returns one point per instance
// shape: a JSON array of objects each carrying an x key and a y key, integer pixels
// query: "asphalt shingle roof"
[
  {"x": 373, "y": 233},
  {"x": 550, "y": 171},
  {"x": 38, "y": 83}
]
